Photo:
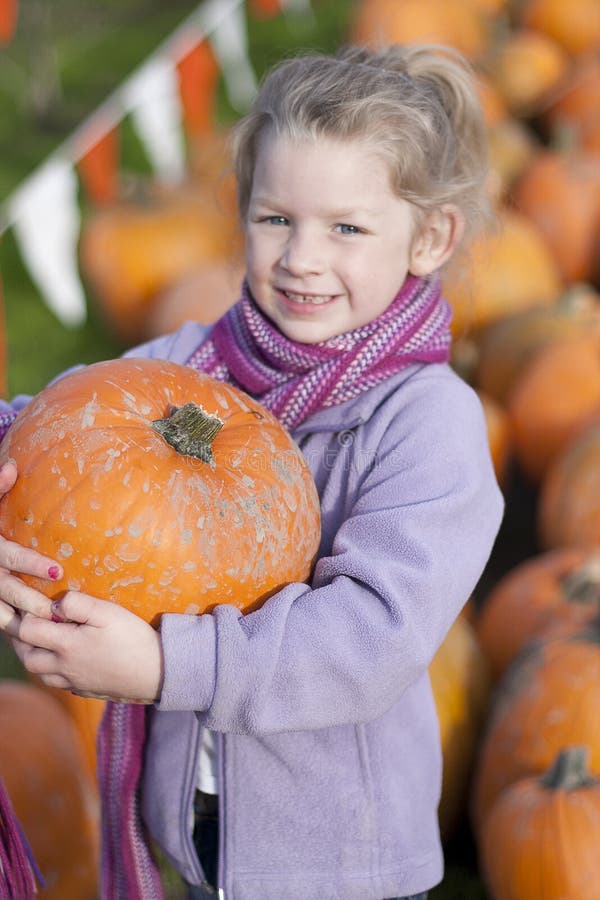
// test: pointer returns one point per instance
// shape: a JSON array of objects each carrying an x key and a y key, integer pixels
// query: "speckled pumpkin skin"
[{"x": 132, "y": 520}]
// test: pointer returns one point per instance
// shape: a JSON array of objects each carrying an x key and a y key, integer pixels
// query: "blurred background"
[{"x": 118, "y": 223}]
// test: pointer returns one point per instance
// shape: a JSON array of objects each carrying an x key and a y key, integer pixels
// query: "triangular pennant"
[
  {"x": 198, "y": 73},
  {"x": 265, "y": 9},
  {"x": 230, "y": 42},
  {"x": 152, "y": 97},
  {"x": 8, "y": 20},
  {"x": 46, "y": 223},
  {"x": 98, "y": 168}
]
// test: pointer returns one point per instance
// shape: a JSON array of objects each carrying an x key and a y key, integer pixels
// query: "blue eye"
[
  {"x": 275, "y": 220},
  {"x": 347, "y": 229}
]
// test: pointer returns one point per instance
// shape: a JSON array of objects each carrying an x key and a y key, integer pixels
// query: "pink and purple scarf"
[{"x": 293, "y": 381}]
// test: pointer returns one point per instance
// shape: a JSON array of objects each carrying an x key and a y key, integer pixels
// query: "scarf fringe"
[
  {"x": 18, "y": 868},
  {"x": 128, "y": 868}
]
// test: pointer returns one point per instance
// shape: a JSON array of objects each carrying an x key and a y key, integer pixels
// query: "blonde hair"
[{"x": 417, "y": 106}]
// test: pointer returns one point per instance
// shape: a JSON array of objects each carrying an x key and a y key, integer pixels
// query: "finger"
[
  {"x": 38, "y": 661},
  {"x": 74, "y": 606},
  {"x": 22, "y": 597},
  {"x": 10, "y": 619},
  {"x": 36, "y": 632},
  {"x": 26, "y": 561},
  {"x": 8, "y": 475}
]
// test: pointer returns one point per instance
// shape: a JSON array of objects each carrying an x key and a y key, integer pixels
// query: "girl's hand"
[
  {"x": 93, "y": 648},
  {"x": 15, "y": 596}
]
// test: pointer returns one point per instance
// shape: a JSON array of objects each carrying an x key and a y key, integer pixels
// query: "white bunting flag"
[
  {"x": 151, "y": 95},
  {"x": 229, "y": 40},
  {"x": 46, "y": 224}
]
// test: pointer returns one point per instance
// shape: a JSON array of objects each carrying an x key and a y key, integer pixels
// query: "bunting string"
[{"x": 167, "y": 97}]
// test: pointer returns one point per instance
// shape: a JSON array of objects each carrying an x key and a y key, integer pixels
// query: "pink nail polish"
[
  {"x": 55, "y": 612},
  {"x": 54, "y": 572}
]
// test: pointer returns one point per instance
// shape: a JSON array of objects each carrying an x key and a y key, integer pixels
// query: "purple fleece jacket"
[{"x": 329, "y": 750}]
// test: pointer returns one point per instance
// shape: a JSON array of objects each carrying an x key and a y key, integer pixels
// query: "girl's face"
[{"x": 328, "y": 243}]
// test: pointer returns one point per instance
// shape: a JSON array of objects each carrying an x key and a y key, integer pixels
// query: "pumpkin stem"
[
  {"x": 190, "y": 430},
  {"x": 569, "y": 770},
  {"x": 583, "y": 585}
]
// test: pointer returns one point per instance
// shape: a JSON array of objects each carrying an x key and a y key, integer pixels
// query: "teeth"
[{"x": 302, "y": 298}]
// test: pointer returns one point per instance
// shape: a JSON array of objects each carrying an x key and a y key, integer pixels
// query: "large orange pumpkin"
[
  {"x": 541, "y": 837},
  {"x": 569, "y": 505},
  {"x": 460, "y": 684},
  {"x": 558, "y": 585},
  {"x": 548, "y": 698},
  {"x": 229, "y": 517},
  {"x": 50, "y": 790}
]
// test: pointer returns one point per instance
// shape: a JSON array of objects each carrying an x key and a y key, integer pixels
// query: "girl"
[{"x": 293, "y": 754}]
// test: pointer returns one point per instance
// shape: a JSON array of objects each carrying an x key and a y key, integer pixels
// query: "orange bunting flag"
[
  {"x": 265, "y": 9},
  {"x": 198, "y": 73},
  {"x": 98, "y": 168},
  {"x": 8, "y": 20}
]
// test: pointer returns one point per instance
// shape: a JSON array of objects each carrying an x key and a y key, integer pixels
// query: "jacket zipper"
[{"x": 220, "y": 742}]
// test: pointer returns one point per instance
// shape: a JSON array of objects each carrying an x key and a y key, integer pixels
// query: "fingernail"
[
  {"x": 55, "y": 611},
  {"x": 54, "y": 572}
]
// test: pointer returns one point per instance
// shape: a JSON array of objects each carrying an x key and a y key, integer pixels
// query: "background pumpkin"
[
  {"x": 576, "y": 26},
  {"x": 203, "y": 295},
  {"x": 525, "y": 67},
  {"x": 460, "y": 684},
  {"x": 541, "y": 837},
  {"x": 461, "y": 25},
  {"x": 560, "y": 584},
  {"x": 134, "y": 249},
  {"x": 560, "y": 192},
  {"x": 554, "y": 398},
  {"x": 499, "y": 436},
  {"x": 569, "y": 500},
  {"x": 181, "y": 533},
  {"x": 508, "y": 345},
  {"x": 508, "y": 269},
  {"x": 50, "y": 789},
  {"x": 548, "y": 698}
]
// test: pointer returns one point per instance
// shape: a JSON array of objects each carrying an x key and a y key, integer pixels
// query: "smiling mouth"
[{"x": 314, "y": 299}]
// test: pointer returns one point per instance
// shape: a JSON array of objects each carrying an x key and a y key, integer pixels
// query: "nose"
[{"x": 303, "y": 253}]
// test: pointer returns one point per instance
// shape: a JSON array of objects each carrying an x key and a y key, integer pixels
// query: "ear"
[{"x": 436, "y": 239}]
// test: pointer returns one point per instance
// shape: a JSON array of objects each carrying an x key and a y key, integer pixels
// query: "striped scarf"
[{"x": 293, "y": 381}]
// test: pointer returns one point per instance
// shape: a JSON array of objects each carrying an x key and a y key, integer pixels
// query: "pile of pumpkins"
[{"x": 526, "y": 334}]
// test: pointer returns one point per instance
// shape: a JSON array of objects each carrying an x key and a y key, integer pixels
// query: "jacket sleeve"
[{"x": 404, "y": 561}]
